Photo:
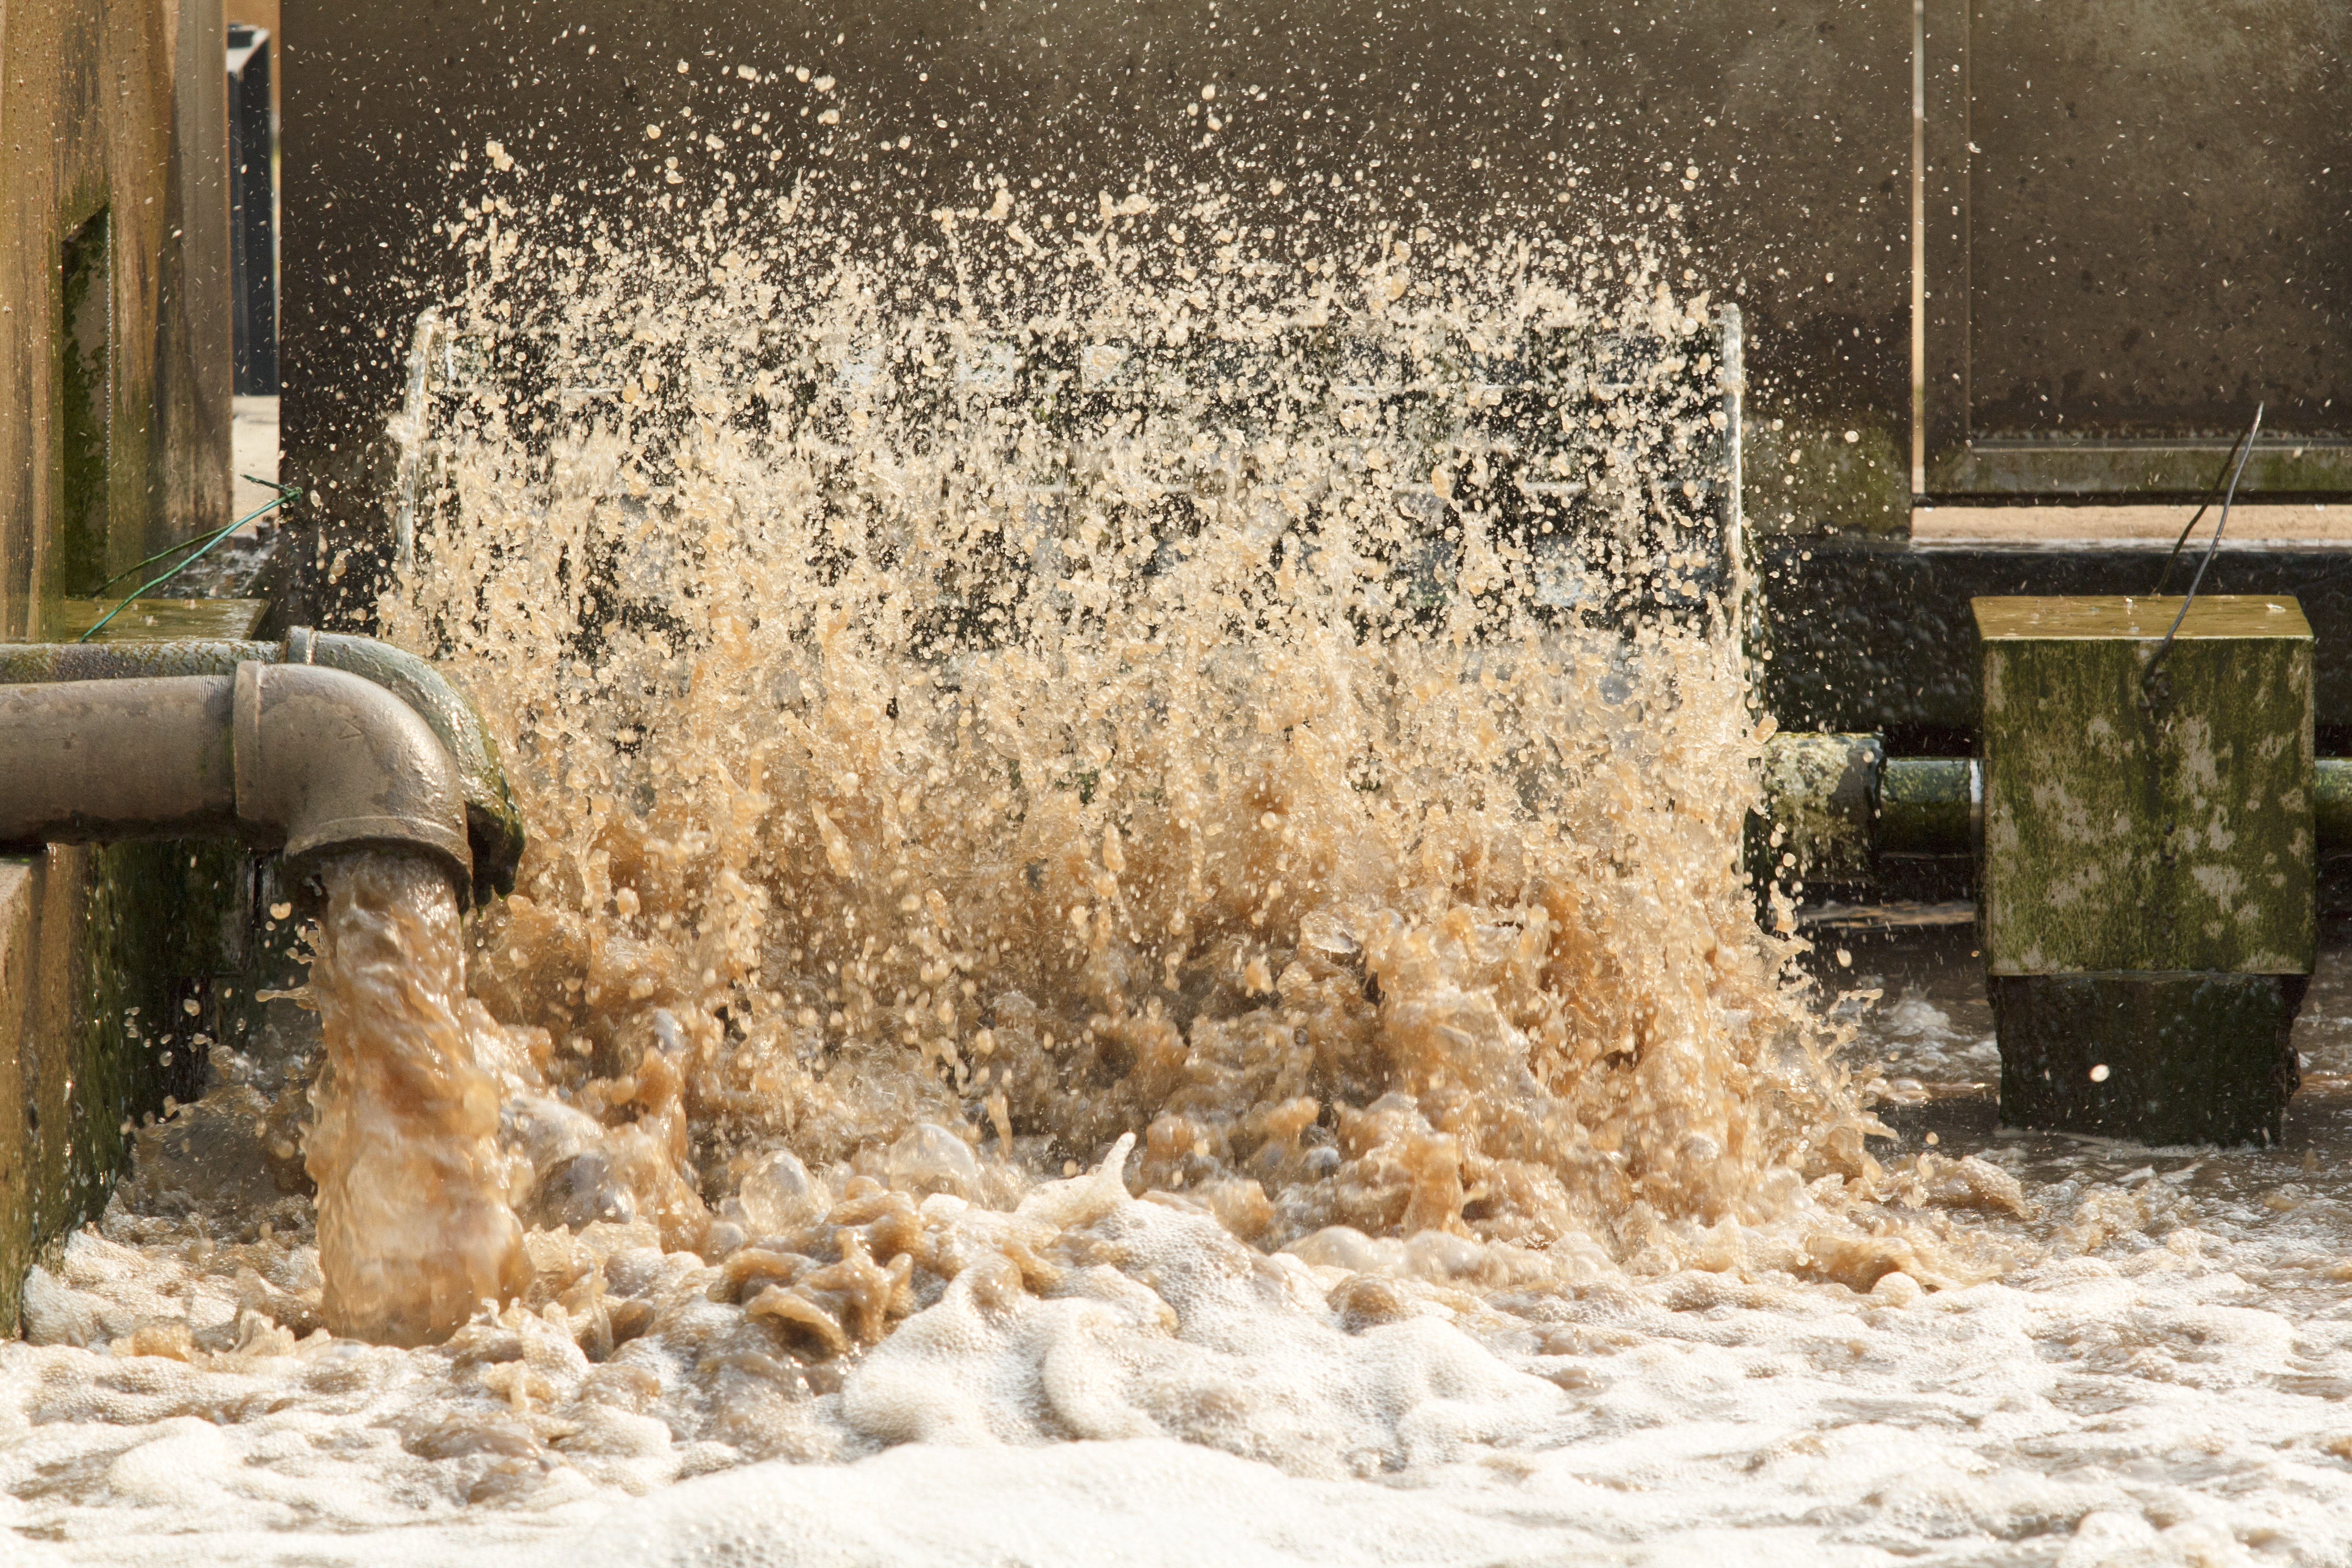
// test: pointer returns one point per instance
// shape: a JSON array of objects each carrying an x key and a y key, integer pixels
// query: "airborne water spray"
[{"x": 1062, "y": 667}]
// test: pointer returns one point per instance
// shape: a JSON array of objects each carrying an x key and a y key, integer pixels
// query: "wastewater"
[{"x": 1135, "y": 949}]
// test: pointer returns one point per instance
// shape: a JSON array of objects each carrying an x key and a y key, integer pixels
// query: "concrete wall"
[
  {"x": 90, "y": 125},
  {"x": 110, "y": 109},
  {"x": 2137, "y": 228},
  {"x": 1797, "y": 115}
]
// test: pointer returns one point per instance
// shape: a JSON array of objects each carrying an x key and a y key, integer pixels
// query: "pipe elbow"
[
  {"x": 326, "y": 760},
  {"x": 493, "y": 823},
  {"x": 494, "y": 826}
]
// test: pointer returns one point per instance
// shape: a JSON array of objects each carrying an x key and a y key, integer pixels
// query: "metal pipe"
[
  {"x": 1837, "y": 801},
  {"x": 304, "y": 759},
  {"x": 493, "y": 824},
  {"x": 2332, "y": 805},
  {"x": 119, "y": 759},
  {"x": 1929, "y": 806}
]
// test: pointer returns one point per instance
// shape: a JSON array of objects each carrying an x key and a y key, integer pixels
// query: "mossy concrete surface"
[
  {"x": 114, "y": 347},
  {"x": 121, "y": 967},
  {"x": 40, "y": 903},
  {"x": 1821, "y": 799},
  {"x": 1829, "y": 471},
  {"x": 2147, "y": 819}
]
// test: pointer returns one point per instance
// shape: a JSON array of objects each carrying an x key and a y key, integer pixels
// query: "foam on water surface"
[
  {"x": 1133, "y": 950},
  {"x": 2161, "y": 1407}
]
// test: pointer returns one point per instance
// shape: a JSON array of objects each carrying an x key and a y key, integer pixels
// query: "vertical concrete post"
[
  {"x": 114, "y": 441},
  {"x": 2149, "y": 908},
  {"x": 191, "y": 486}
]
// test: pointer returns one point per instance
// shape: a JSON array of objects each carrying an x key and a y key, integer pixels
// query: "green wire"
[
  {"x": 266, "y": 484},
  {"x": 286, "y": 493}
]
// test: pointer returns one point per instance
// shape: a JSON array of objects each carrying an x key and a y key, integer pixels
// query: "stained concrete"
[
  {"x": 2140, "y": 818},
  {"x": 92, "y": 125},
  {"x": 112, "y": 128}
]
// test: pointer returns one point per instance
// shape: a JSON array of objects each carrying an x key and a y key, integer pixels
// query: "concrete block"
[
  {"x": 2131, "y": 825},
  {"x": 2150, "y": 862},
  {"x": 2157, "y": 1057}
]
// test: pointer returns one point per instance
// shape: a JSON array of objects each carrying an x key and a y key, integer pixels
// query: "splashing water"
[
  {"x": 956, "y": 737},
  {"x": 1134, "y": 837}
]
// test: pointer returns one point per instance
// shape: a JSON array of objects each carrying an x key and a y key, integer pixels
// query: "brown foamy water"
[
  {"x": 414, "y": 1222},
  {"x": 1133, "y": 943}
]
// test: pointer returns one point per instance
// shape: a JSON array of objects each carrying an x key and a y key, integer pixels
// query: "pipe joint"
[
  {"x": 327, "y": 760},
  {"x": 494, "y": 827}
]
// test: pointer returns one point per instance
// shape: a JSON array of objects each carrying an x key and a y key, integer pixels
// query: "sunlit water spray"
[
  {"x": 959, "y": 735},
  {"x": 1135, "y": 837}
]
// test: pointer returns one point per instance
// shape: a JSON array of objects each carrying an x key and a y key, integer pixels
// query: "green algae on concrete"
[
  {"x": 2138, "y": 823},
  {"x": 121, "y": 967},
  {"x": 152, "y": 620},
  {"x": 2148, "y": 868}
]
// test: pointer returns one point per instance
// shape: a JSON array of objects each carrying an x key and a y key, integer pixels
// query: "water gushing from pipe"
[{"x": 415, "y": 1229}]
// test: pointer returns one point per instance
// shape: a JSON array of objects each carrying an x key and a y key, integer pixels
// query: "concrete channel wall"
[
  {"x": 1795, "y": 116},
  {"x": 114, "y": 441}
]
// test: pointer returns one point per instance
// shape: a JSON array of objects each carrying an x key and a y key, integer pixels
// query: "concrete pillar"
[
  {"x": 114, "y": 427},
  {"x": 2149, "y": 909}
]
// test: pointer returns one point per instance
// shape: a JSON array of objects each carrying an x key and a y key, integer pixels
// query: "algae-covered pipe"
[
  {"x": 2332, "y": 805},
  {"x": 1929, "y": 806},
  {"x": 493, "y": 825},
  {"x": 301, "y": 759},
  {"x": 1839, "y": 799}
]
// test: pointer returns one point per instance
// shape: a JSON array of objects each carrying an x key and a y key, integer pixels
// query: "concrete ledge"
[{"x": 2059, "y": 526}]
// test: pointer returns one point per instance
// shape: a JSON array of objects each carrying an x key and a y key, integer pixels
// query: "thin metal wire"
[
  {"x": 286, "y": 493},
  {"x": 2189, "y": 598},
  {"x": 195, "y": 543},
  {"x": 2211, "y": 496}
]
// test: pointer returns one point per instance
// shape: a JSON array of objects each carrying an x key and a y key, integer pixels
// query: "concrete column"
[{"x": 2148, "y": 906}]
